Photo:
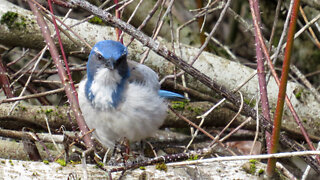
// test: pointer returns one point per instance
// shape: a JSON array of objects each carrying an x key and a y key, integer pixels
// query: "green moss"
[
  {"x": 45, "y": 161},
  {"x": 9, "y": 18},
  {"x": 48, "y": 111},
  {"x": 13, "y": 20},
  {"x": 298, "y": 93},
  {"x": 162, "y": 167},
  {"x": 23, "y": 108},
  {"x": 196, "y": 110},
  {"x": 178, "y": 105},
  {"x": 22, "y": 23},
  {"x": 50, "y": 146},
  {"x": 250, "y": 167},
  {"x": 142, "y": 168},
  {"x": 10, "y": 161},
  {"x": 251, "y": 103},
  {"x": 100, "y": 164},
  {"x": 253, "y": 161},
  {"x": 261, "y": 171},
  {"x": 75, "y": 162},
  {"x": 62, "y": 162},
  {"x": 191, "y": 158},
  {"x": 253, "y": 167},
  {"x": 96, "y": 20}
]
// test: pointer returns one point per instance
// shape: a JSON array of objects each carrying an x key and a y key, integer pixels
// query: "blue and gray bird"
[{"x": 121, "y": 98}]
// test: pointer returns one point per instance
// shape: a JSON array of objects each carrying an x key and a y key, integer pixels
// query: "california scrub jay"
[{"x": 121, "y": 98}]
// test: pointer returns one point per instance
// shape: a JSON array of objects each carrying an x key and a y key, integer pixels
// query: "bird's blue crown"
[{"x": 109, "y": 49}]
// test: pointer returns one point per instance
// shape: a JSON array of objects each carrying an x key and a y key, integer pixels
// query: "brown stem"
[
  {"x": 63, "y": 76},
  {"x": 4, "y": 80},
  {"x": 282, "y": 89},
  {"x": 261, "y": 75}
]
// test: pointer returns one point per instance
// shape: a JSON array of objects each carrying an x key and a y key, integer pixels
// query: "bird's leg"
[
  {"x": 113, "y": 158},
  {"x": 142, "y": 151},
  {"x": 125, "y": 150},
  {"x": 116, "y": 144},
  {"x": 121, "y": 152}
]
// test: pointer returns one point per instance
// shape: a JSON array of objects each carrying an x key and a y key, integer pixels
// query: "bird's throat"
[{"x": 106, "y": 90}]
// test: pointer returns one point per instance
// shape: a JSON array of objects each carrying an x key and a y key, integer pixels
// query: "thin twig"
[
  {"x": 310, "y": 29},
  {"x": 146, "y": 20},
  {"x": 257, "y": 126},
  {"x": 204, "y": 45},
  {"x": 33, "y": 95},
  {"x": 91, "y": 16},
  {"x": 226, "y": 48},
  {"x": 297, "y": 34},
  {"x": 29, "y": 79},
  {"x": 235, "y": 116},
  {"x": 200, "y": 129},
  {"x": 236, "y": 129},
  {"x": 157, "y": 30},
  {"x": 24, "y": 53},
  {"x": 305, "y": 81},
  {"x": 132, "y": 15},
  {"x": 50, "y": 134},
  {"x": 274, "y": 25},
  {"x": 306, "y": 172},
  {"x": 283, "y": 35},
  {"x": 247, "y": 157}
]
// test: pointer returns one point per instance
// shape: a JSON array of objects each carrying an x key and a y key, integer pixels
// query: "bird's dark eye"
[
  {"x": 120, "y": 60},
  {"x": 100, "y": 57}
]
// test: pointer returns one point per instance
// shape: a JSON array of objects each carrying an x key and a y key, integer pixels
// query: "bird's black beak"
[{"x": 110, "y": 64}]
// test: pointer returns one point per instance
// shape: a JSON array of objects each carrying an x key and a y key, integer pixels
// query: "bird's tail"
[{"x": 170, "y": 95}]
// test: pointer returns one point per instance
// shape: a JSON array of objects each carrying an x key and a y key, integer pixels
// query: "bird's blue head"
[
  {"x": 107, "y": 54},
  {"x": 111, "y": 55}
]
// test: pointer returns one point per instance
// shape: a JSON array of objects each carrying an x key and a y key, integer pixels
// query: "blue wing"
[
  {"x": 170, "y": 95},
  {"x": 143, "y": 74},
  {"x": 140, "y": 73}
]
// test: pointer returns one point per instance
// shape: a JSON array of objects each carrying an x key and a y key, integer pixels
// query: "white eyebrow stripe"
[{"x": 95, "y": 49}]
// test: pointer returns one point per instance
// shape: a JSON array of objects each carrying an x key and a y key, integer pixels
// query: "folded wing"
[{"x": 140, "y": 73}]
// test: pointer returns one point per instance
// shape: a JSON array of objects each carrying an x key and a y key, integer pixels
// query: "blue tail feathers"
[{"x": 170, "y": 95}]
